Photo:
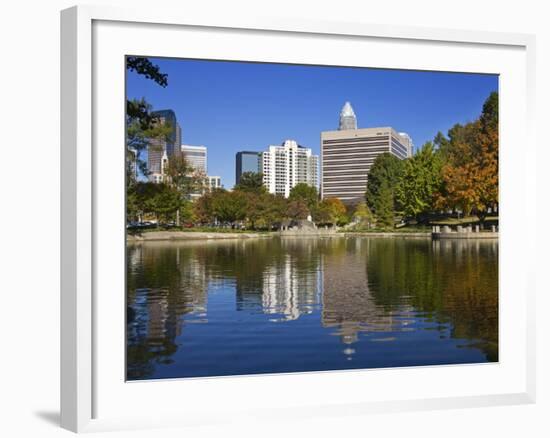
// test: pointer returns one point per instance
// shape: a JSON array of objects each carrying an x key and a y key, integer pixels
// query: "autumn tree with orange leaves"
[{"x": 470, "y": 172}]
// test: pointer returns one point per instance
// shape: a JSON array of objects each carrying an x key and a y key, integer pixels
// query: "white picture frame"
[{"x": 87, "y": 389}]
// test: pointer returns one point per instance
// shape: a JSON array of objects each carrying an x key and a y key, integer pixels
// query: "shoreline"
[{"x": 156, "y": 236}]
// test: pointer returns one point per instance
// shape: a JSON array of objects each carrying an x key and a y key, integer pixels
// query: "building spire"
[{"x": 347, "y": 118}]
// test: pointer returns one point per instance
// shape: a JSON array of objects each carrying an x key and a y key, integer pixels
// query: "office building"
[
  {"x": 213, "y": 182},
  {"x": 160, "y": 176},
  {"x": 247, "y": 161},
  {"x": 170, "y": 145},
  {"x": 348, "y": 120},
  {"x": 348, "y": 154},
  {"x": 196, "y": 156},
  {"x": 289, "y": 164}
]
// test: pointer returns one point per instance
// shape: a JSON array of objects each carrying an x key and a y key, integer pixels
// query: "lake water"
[{"x": 272, "y": 305}]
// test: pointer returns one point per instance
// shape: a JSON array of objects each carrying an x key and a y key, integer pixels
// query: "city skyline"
[{"x": 256, "y": 105}]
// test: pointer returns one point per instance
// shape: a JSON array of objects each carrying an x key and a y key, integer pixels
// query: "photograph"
[{"x": 290, "y": 218}]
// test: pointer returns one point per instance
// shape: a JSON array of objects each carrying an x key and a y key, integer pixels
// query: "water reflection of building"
[
  {"x": 288, "y": 290},
  {"x": 284, "y": 281},
  {"x": 348, "y": 305},
  {"x": 177, "y": 286}
]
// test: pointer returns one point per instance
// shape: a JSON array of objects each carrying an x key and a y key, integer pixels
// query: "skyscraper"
[
  {"x": 246, "y": 161},
  {"x": 347, "y": 118},
  {"x": 348, "y": 154},
  {"x": 157, "y": 147},
  {"x": 196, "y": 156},
  {"x": 287, "y": 165}
]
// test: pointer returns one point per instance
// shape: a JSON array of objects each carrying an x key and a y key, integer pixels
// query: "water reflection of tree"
[
  {"x": 451, "y": 281},
  {"x": 167, "y": 281},
  {"x": 367, "y": 286},
  {"x": 161, "y": 289}
]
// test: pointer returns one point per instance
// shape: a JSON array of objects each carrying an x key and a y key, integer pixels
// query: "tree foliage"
[
  {"x": 305, "y": 193},
  {"x": 420, "y": 182},
  {"x": 182, "y": 175},
  {"x": 141, "y": 130},
  {"x": 331, "y": 211},
  {"x": 470, "y": 172},
  {"x": 384, "y": 177},
  {"x": 251, "y": 182},
  {"x": 159, "y": 200},
  {"x": 141, "y": 124},
  {"x": 362, "y": 215},
  {"x": 384, "y": 206},
  {"x": 143, "y": 66}
]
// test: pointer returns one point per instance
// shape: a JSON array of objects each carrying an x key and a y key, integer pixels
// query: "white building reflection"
[{"x": 289, "y": 291}]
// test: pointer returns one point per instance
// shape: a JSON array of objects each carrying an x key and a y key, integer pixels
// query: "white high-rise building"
[
  {"x": 287, "y": 165},
  {"x": 213, "y": 182},
  {"x": 196, "y": 156}
]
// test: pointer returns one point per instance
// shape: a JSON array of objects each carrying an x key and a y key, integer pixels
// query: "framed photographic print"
[{"x": 253, "y": 208}]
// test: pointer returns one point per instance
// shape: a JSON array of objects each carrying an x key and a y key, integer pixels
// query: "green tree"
[
  {"x": 229, "y": 206},
  {"x": 420, "y": 182},
  {"x": 386, "y": 170},
  {"x": 273, "y": 210},
  {"x": 384, "y": 207},
  {"x": 251, "y": 182},
  {"x": 166, "y": 202},
  {"x": 141, "y": 125},
  {"x": 362, "y": 215},
  {"x": 161, "y": 200},
  {"x": 141, "y": 129},
  {"x": 306, "y": 193},
  {"x": 145, "y": 67}
]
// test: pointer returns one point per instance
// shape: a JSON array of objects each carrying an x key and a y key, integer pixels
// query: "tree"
[
  {"x": 331, "y": 211},
  {"x": 182, "y": 175},
  {"x": 470, "y": 173},
  {"x": 275, "y": 211},
  {"x": 143, "y": 66},
  {"x": 297, "y": 209},
  {"x": 141, "y": 124},
  {"x": 362, "y": 215},
  {"x": 165, "y": 203},
  {"x": 385, "y": 207},
  {"x": 141, "y": 130},
  {"x": 251, "y": 182},
  {"x": 306, "y": 193},
  {"x": 160, "y": 200},
  {"x": 203, "y": 208},
  {"x": 386, "y": 170},
  {"x": 229, "y": 206},
  {"x": 420, "y": 182}
]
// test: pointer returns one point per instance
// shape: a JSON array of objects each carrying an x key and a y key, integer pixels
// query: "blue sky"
[{"x": 234, "y": 106}]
